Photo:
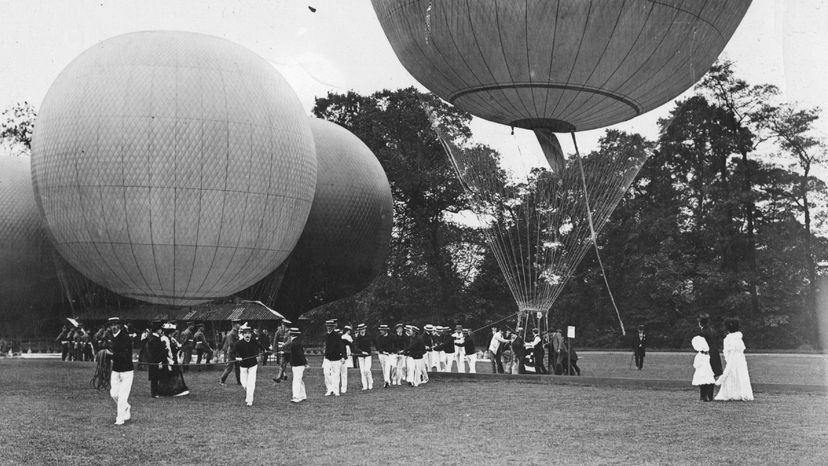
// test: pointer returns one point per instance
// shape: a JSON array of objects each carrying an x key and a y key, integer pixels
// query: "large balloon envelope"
[
  {"x": 173, "y": 167},
  {"x": 558, "y": 65},
  {"x": 345, "y": 241},
  {"x": 29, "y": 285}
]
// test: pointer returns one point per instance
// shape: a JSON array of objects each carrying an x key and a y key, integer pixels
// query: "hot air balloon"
[
  {"x": 345, "y": 241},
  {"x": 29, "y": 285},
  {"x": 173, "y": 167},
  {"x": 558, "y": 65},
  {"x": 552, "y": 66}
]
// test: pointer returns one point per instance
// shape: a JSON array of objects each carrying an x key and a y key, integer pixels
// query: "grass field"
[{"x": 50, "y": 415}]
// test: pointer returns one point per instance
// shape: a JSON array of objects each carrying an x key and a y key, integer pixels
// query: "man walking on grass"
[{"x": 120, "y": 381}]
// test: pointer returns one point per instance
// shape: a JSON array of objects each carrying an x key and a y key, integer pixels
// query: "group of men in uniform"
[{"x": 405, "y": 355}]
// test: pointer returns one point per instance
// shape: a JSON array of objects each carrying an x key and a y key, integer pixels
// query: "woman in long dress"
[{"x": 735, "y": 381}]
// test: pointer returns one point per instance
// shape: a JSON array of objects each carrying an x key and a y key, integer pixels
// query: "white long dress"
[{"x": 735, "y": 381}]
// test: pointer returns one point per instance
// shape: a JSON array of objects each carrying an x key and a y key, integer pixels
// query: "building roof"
[{"x": 242, "y": 310}]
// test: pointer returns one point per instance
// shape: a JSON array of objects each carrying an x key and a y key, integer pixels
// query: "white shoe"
[
  {"x": 329, "y": 394},
  {"x": 119, "y": 422},
  {"x": 128, "y": 414},
  {"x": 250, "y": 403},
  {"x": 184, "y": 393}
]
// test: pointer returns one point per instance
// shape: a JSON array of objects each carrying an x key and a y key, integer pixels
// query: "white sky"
[{"x": 342, "y": 47}]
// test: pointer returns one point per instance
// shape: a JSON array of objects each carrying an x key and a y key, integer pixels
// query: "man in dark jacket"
[
  {"x": 295, "y": 353},
  {"x": 385, "y": 348},
  {"x": 416, "y": 350},
  {"x": 362, "y": 348},
  {"x": 332, "y": 364},
  {"x": 712, "y": 340},
  {"x": 156, "y": 357},
  {"x": 120, "y": 380},
  {"x": 470, "y": 351},
  {"x": 518, "y": 352},
  {"x": 246, "y": 355},
  {"x": 639, "y": 347},
  {"x": 187, "y": 341},
  {"x": 229, "y": 348}
]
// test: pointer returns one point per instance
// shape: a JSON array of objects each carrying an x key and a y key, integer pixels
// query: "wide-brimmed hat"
[
  {"x": 113, "y": 320},
  {"x": 330, "y": 323},
  {"x": 429, "y": 327},
  {"x": 168, "y": 326},
  {"x": 382, "y": 327},
  {"x": 286, "y": 322},
  {"x": 347, "y": 327},
  {"x": 361, "y": 327},
  {"x": 414, "y": 328},
  {"x": 399, "y": 326},
  {"x": 245, "y": 328},
  {"x": 295, "y": 331}
]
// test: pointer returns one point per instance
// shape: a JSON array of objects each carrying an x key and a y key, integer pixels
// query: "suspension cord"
[{"x": 594, "y": 236}]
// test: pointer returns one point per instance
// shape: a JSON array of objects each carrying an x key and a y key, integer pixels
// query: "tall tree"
[
  {"x": 792, "y": 128},
  {"x": 395, "y": 126}
]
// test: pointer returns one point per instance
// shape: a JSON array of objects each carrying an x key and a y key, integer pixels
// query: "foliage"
[{"x": 17, "y": 126}]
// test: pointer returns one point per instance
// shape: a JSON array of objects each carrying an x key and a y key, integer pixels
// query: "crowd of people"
[{"x": 406, "y": 355}]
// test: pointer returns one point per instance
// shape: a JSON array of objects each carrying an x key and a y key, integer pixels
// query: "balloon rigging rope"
[{"x": 594, "y": 236}]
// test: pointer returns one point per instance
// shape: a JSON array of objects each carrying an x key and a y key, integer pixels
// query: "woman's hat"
[{"x": 168, "y": 326}]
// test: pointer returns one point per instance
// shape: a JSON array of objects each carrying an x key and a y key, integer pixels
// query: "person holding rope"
[
  {"x": 123, "y": 371},
  {"x": 246, "y": 353},
  {"x": 202, "y": 346},
  {"x": 496, "y": 345}
]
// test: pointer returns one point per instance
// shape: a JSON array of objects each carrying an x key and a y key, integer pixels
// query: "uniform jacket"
[
  {"x": 469, "y": 345},
  {"x": 639, "y": 342},
  {"x": 363, "y": 345},
  {"x": 122, "y": 352},
  {"x": 448, "y": 343},
  {"x": 229, "y": 346},
  {"x": 416, "y": 348},
  {"x": 297, "y": 353},
  {"x": 248, "y": 351},
  {"x": 186, "y": 339},
  {"x": 333, "y": 346},
  {"x": 384, "y": 344}
]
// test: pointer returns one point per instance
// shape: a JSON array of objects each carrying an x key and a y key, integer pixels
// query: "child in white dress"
[
  {"x": 735, "y": 381},
  {"x": 703, "y": 376}
]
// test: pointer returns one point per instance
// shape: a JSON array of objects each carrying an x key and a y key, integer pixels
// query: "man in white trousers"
[
  {"x": 431, "y": 357},
  {"x": 362, "y": 348},
  {"x": 459, "y": 348},
  {"x": 295, "y": 354},
  {"x": 120, "y": 380},
  {"x": 448, "y": 348},
  {"x": 247, "y": 356},
  {"x": 332, "y": 363},
  {"x": 400, "y": 344},
  {"x": 385, "y": 349},
  {"x": 348, "y": 357},
  {"x": 470, "y": 350}
]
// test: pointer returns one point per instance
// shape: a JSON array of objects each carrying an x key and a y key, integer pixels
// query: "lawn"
[{"x": 50, "y": 415}]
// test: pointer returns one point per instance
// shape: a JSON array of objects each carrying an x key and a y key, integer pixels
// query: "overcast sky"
[{"x": 341, "y": 46}]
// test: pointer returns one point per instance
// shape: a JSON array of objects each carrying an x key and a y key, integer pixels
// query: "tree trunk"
[{"x": 810, "y": 304}]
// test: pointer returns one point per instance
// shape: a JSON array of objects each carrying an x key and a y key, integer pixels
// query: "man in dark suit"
[
  {"x": 712, "y": 339},
  {"x": 639, "y": 347},
  {"x": 332, "y": 364},
  {"x": 120, "y": 380},
  {"x": 518, "y": 352},
  {"x": 156, "y": 357}
]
